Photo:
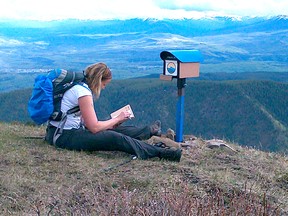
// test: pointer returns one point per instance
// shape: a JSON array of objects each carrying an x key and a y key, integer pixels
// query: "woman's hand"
[
  {"x": 90, "y": 118},
  {"x": 123, "y": 116}
]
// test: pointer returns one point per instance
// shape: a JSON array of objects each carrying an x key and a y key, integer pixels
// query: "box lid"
[{"x": 182, "y": 55}]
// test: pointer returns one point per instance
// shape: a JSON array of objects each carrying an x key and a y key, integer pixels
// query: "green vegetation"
[
  {"x": 9, "y": 82},
  {"x": 250, "y": 113},
  {"x": 38, "y": 179},
  {"x": 244, "y": 66}
]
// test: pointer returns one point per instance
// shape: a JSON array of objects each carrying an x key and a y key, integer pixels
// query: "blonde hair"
[{"x": 95, "y": 74}]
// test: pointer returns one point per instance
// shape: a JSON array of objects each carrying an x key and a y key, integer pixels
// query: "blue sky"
[{"x": 126, "y": 9}]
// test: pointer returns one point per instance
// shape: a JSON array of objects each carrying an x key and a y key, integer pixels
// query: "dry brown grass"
[{"x": 38, "y": 179}]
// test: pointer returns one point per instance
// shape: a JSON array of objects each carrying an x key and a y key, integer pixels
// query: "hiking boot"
[
  {"x": 160, "y": 144},
  {"x": 171, "y": 154},
  {"x": 155, "y": 128},
  {"x": 170, "y": 134}
]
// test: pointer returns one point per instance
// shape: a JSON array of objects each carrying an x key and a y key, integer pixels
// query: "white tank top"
[{"x": 70, "y": 100}]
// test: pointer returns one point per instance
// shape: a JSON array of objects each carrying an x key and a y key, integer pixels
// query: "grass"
[{"x": 38, "y": 179}]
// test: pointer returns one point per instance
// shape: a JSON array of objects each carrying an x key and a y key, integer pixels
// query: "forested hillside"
[{"x": 252, "y": 113}]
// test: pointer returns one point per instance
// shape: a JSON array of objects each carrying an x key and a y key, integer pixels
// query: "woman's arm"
[{"x": 90, "y": 118}]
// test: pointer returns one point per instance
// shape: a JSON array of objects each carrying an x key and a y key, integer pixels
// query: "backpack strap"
[{"x": 60, "y": 127}]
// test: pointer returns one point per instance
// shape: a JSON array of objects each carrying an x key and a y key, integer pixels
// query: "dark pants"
[{"x": 123, "y": 138}]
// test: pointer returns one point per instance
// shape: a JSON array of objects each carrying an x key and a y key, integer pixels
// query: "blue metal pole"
[{"x": 181, "y": 83}]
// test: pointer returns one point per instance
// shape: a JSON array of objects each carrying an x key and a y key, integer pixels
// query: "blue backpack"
[{"x": 48, "y": 91}]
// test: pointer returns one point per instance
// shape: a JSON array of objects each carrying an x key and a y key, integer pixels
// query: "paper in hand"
[{"x": 126, "y": 108}]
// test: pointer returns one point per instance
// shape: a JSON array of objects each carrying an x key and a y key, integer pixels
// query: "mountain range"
[{"x": 132, "y": 47}]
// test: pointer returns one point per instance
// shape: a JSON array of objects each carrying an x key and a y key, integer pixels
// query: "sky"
[{"x": 126, "y": 9}]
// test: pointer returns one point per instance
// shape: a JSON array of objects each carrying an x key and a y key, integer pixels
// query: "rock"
[
  {"x": 217, "y": 143},
  {"x": 168, "y": 142}
]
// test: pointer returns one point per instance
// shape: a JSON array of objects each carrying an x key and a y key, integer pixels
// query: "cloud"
[
  {"x": 10, "y": 42},
  {"x": 125, "y": 9},
  {"x": 231, "y": 7},
  {"x": 185, "y": 5},
  {"x": 84, "y": 9}
]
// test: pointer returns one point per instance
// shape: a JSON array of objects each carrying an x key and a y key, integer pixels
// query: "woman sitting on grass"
[{"x": 83, "y": 130}]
